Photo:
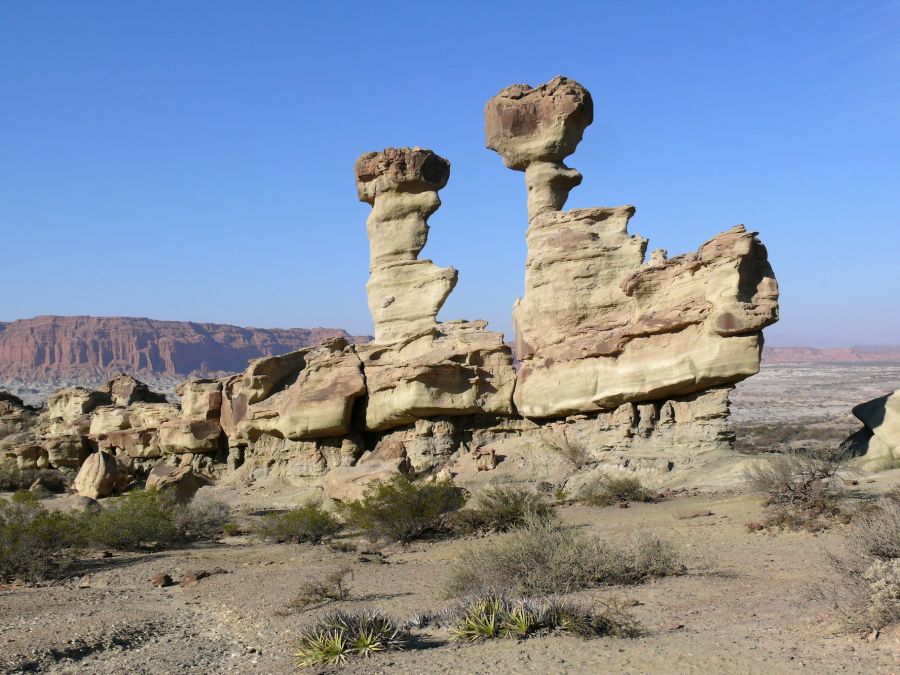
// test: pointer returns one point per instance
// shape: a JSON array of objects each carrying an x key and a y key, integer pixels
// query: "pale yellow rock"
[
  {"x": 348, "y": 483},
  {"x": 309, "y": 395},
  {"x": 879, "y": 441},
  {"x": 100, "y": 476},
  {"x": 417, "y": 367},
  {"x": 598, "y": 325},
  {"x": 108, "y": 418},
  {"x": 70, "y": 404}
]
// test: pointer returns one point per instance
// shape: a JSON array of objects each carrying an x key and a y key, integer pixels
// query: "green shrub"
[
  {"x": 201, "y": 519},
  {"x": 13, "y": 478},
  {"x": 502, "y": 508},
  {"x": 35, "y": 544},
  {"x": 305, "y": 524},
  {"x": 403, "y": 510},
  {"x": 496, "y": 615},
  {"x": 340, "y": 635},
  {"x": 546, "y": 556},
  {"x": 137, "y": 519},
  {"x": 609, "y": 490}
]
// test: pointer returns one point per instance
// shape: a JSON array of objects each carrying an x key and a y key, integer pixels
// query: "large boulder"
[
  {"x": 306, "y": 394},
  {"x": 125, "y": 390},
  {"x": 182, "y": 482},
  {"x": 349, "y": 483},
  {"x": 877, "y": 444},
  {"x": 101, "y": 475}
]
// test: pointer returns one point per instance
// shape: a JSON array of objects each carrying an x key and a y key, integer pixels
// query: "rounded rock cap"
[
  {"x": 400, "y": 170},
  {"x": 544, "y": 123}
]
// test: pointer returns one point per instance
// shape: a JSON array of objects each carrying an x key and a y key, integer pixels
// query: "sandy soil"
[{"x": 744, "y": 606}]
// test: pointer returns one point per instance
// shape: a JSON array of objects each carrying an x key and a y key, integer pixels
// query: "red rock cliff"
[{"x": 51, "y": 347}]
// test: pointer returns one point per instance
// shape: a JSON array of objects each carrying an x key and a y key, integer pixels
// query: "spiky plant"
[{"x": 339, "y": 635}]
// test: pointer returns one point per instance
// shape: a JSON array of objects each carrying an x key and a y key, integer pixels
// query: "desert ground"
[{"x": 747, "y": 603}]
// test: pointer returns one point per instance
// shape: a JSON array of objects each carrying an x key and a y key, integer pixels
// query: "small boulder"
[
  {"x": 181, "y": 481},
  {"x": 161, "y": 581},
  {"x": 100, "y": 476}
]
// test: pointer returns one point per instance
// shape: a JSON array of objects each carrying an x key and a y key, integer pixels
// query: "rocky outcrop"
[
  {"x": 417, "y": 367},
  {"x": 877, "y": 445},
  {"x": 599, "y": 324},
  {"x": 86, "y": 347},
  {"x": 626, "y": 360}
]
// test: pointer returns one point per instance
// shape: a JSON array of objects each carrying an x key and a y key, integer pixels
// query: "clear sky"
[{"x": 194, "y": 160}]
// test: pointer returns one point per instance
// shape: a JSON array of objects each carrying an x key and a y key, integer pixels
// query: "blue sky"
[{"x": 194, "y": 160}]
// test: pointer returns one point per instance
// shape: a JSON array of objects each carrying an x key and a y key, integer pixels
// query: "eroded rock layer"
[{"x": 599, "y": 324}]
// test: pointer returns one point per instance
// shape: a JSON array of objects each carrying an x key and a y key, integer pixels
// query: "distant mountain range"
[
  {"x": 56, "y": 348},
  {"x": 885, "y": 354}
]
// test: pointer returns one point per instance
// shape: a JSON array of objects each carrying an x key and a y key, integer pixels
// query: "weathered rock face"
[
  {"x": 598, "y": 324},
  {"x": 125, "y": 390},
  {"x": 305, "y": 394},
  {"x": 877, "y": 444},
  {"x": 417, "y": 367}
]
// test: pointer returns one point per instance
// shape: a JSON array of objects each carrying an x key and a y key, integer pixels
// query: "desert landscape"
[{"x": 658, "y": 462}]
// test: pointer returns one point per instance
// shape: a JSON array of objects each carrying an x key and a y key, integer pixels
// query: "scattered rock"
[{"x": 161, "y": 581}]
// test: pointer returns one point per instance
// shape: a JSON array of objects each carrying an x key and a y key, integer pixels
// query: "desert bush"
[
  {"x": 305, "y": 524},
  {"x": 232, "y": 529},
  {"x": 13, "y": 478},
  {"x": 201, "y": 519},
  {"x": 802, "y": 489},
  {"x": 330, "y": 588},
  {"x": 545, "y": 556},
  {"x": 502, "y": 508},
  {"x": 867, "y": 595},
  {"x": 609, "y": 490},
  {"x": 798, "y": 478},
  {"x": 137, "y": 519},
  {"x": 338, "y": 636},
  {"x": 34, "y": 543},
  {"x": 495, "y": 615},
  {"x": 401, "y": 509}
]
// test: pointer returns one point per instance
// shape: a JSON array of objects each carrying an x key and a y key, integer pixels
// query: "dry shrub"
[
  {"x": 802, "y": 489},
  {"x": 306, "y": 524},
  {"x": 575, "y": 452},
  {"x": 546, "y": 557},
  {"x": 12, "y": 478},
  {"x": 201, "y": 519},
  {"x": 868, "y": 595},
  {"x": 331, "y": 588},
  {"x": 402, "y": 510},
  {"x": 501, "y": 508},
  {"x": 609, "y": 490},
  {"x": 496, "y": 615}
]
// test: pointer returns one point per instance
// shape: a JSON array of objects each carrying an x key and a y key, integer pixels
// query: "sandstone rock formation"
[
  {"x": 877, "y": 444},
  {"x": 626, "y": 361},
  {"x": 417, "y": 367},
  {"x": 599, "y": 325}
]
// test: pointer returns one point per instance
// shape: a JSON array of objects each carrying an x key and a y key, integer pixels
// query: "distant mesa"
[
  {"x": 884, "y": 354},
  {"x": 54, "y": 348}
]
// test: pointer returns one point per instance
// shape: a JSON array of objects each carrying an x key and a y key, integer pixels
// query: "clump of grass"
[
  {"x": 802, "y": 490},
  {"x": 403, "y": 510},
  {"x": 306, "y": 524},
  {"x": 502, "y": 508},
  {"x": 495, "y": 615},
  {"x": 609, "y": 490},
  {"x": 342, "y": 635},
  {"x": 546, "y": 557},
  {"x": 34, "y": 543},
  {"x": 331, "y": 588}
]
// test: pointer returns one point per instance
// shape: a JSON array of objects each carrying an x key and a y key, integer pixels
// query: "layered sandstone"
[
  {"x": 600, "y": 324},
  {"x": 416, "y": 366}
]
